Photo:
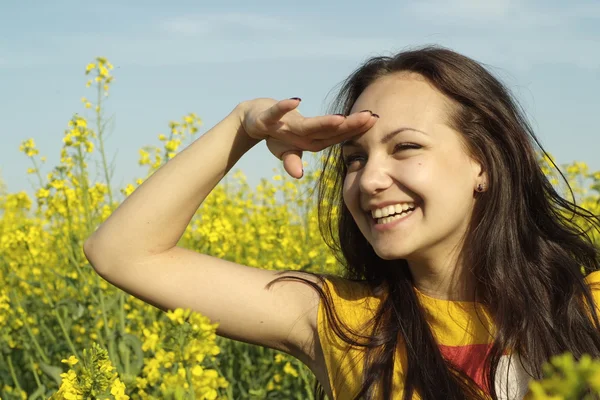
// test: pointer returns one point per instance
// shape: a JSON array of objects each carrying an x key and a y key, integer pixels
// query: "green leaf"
[
  {"x": 39, "y": 393},
  {"x": 52, "y": 371},
  {"x": 135, "y": 345}
]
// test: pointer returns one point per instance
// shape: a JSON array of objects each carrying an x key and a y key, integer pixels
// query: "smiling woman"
[
  {"x": 469, "y": 289},
  {"x": 464, "y": 270}
]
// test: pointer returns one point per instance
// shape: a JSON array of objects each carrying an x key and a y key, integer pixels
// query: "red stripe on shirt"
[{"x": 469, "y": 358}]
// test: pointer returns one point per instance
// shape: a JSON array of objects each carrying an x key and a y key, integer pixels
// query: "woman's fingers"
[
  {"x": 292, "y": 163},
  {"x": 289, "y": 154},
  {"x": 273, "y": 114},
  {"x": 327, "y": 126},
  {"x": 289, "y": 134}
]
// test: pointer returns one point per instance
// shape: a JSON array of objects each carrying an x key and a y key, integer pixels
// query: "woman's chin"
[{"x": 391, "y": 253}]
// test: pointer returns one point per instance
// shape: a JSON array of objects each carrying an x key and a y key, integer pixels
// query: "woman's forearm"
[{"x": 154, "y": 217}]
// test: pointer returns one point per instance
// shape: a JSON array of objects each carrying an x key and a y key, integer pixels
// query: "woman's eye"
[
  {"x": 400, "y": 146},
  {"x": 351, "y": 158},
  {"x": 406, "y": 146}
]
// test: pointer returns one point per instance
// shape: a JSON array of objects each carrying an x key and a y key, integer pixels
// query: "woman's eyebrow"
[{"x": 385, "y": 139}]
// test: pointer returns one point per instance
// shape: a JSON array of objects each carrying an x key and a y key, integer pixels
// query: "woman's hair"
[{"x": 528, "y": 255}]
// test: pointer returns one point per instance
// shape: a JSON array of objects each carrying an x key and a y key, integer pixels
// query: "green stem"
[
  {"x": 37, "y": 172},
  {"x": 28, "y": 329},
  {"x": 65, "y": 333},
  {"x": 188, "y": 376},
  {"x": 107, "y": 332},
  {"x": 166, "y": 157},
  {"x": 307, "y": 381},
  {"x": 13, "y": 375},
  {"x": 85, "y": 193},
  {"x": 36, "y": 344},
  {"x": 47, "y": 331},
  {"x": 126, "y": 353},
  {"x": 35, "y": 374},
  {"x": 100, "y": 129}
]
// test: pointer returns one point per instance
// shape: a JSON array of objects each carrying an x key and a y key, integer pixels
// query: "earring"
[{"x": 480, "y": 188}]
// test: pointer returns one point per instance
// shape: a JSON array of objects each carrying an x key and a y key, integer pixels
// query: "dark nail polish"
[
  {"x": 302, "y": 173},
  {"x": 296, "y": 98},
  {"x": 367, "y": 111},
  {"x": 341, "y": 115},
  {"x": 375, "y": 115}
]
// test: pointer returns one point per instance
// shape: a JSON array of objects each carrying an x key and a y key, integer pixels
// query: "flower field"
[{"x": 65, "y": 333}]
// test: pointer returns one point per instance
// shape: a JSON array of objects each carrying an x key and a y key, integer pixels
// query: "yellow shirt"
[{"x": 461, "y": 337}]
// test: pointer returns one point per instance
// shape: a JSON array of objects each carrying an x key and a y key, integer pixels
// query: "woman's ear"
[{"x": 480, "y": 175}]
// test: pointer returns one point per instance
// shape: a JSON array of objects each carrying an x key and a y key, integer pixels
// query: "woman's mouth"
[{"x": 391, "y": 221}]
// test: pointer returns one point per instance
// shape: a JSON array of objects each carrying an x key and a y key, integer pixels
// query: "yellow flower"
[
  {"x": 72, "y": 360},
  {"x": 172, "y": 145},
  {"x": 118, "y": 390},
  {"x": 179, "y": 315},
  {"x": 128, "y": 189},
  {"x": 80, "y": 122},
  {"x": 144, "y": 157},
  {"x": 43, "y": 193},
  {"x": 288, "y": 369}
]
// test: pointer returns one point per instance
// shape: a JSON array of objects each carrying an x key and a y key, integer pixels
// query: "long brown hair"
[{"x": 529, "y": 256}]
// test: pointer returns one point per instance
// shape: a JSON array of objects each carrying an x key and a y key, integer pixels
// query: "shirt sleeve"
[
  {"x": 355, "y": 306},
  {"x": 593, "y": 280}
]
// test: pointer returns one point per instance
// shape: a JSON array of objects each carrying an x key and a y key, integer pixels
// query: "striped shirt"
[{"x": 463, "y": 333}]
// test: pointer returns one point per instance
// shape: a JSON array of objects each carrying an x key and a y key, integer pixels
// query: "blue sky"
[{"x": 172, "y": 58}]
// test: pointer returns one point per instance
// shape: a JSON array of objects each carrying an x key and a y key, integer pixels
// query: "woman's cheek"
[{"x": 415, "y": 175}]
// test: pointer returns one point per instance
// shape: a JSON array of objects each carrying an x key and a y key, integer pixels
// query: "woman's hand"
[{"x": 288, "y": 133}]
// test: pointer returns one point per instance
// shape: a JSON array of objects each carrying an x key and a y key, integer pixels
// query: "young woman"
[{"x": 464, "y": 270}]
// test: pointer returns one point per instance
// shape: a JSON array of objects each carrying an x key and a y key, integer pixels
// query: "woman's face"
[{"x": 409, "y": 157}]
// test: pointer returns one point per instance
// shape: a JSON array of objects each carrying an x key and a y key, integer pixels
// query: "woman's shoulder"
[
  {"x": 353, "y": 300},
  {"x": 593, "y": 279},
  {"x": 352, "y": 291}
]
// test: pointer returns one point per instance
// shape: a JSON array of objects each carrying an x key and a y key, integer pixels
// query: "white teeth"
[
  {"x": 387, "y": 220},
  {"x": 388, "y": 210}
]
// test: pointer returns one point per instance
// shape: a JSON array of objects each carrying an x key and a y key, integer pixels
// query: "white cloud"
[
  {"x": 502, "y": 13},
  {"x": 498, "y": 32},
  {"x": 225, "y": 22},
  {"x": 475, "y": 10}
]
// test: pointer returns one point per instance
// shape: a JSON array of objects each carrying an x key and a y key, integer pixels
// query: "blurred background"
[{"x": 173, "y": 58}]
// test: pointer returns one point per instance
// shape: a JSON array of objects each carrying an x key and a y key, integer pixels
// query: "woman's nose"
[{"x": 374, "y": 178}]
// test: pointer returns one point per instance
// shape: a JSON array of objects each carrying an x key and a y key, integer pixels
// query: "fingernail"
[
  {"x": 296, "y": 98},
  {"x": 341, "y": 115},
  {"x": 375, "y": 115},
  {"x": 302, "y": 173},
  {"x": 367, "y": 111}
]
